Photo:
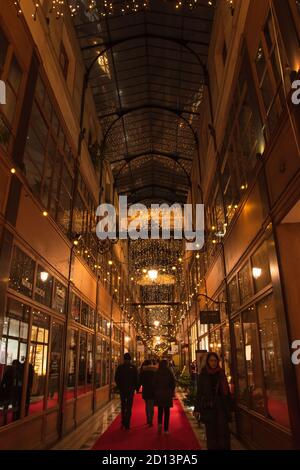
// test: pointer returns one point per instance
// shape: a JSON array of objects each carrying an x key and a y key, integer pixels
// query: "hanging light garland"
[
  {"x": 110, "y": 7},
  {"x": 100, "y": 7}
]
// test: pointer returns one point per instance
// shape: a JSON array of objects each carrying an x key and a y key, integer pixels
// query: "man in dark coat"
[
  {"x": 164, "y": 386},
  {"x": 126, "y": 379},
  {"x": 147, "y": 377}
]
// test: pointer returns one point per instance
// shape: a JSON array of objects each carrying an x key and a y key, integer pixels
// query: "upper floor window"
[
  {"x": 11, "y": 73},
  {"x": 269, "y": 76},
  {"x": 64, "y": 60}
]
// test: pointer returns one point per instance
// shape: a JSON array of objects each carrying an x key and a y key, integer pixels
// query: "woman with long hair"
[
  {"x": 214, "y": 403},
  {"x": 164, "y": 387}
]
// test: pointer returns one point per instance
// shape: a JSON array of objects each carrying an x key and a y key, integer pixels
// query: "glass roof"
[{"x": 147, "y": 73}]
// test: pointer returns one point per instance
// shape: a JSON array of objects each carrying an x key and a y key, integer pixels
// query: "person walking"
[
  {"x": 164, "y": 387},
  {"x": 213, "y": 403},
  {"x": 126, "y": 378},
  {"x": 146, "y": 380}
]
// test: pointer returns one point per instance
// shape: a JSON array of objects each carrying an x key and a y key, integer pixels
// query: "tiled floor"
[{"x": 106, "y": 418}]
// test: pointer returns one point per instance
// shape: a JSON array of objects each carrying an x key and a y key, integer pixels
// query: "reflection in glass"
[
  {"x": 252, "y": 356},
  {"x": 245, "y": 284},
  {"x": 82, "y": 364},
  {"x": 43, "y": 287},
  {"x": 38, "y": 357},
  {"x": 234, "y": 295},
  {"x": 272, "y": 363},
  {"x": 55, "y": 364},
  {"x": 242, "y": 394},
  {"x": 72, "y": 357},
  {"x": 261, "y": 267},
  {"x": 21, "y": 273},
  {"x": 13, "y": 351}
]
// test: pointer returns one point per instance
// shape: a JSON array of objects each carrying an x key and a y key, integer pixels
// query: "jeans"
[
  {"x": 126, "y": 406},
  {"x": 149, "y": 410},
  {"x": 166, "y": 412}
]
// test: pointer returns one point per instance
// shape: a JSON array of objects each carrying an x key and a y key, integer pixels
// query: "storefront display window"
[
  {"x": 13, "y": 351},
  {"x": 252, "y": 358},
  {"x": 76, "y": 305},
  {"x": 226, "y": 355},
  {"x": 82, "y": 364},
  {"x": 98, "y": 362},
  {"x": 22, "y": 273},
  {"x": 72, "y": 367},
  {"x": 276, "y": 401},
  {"x": 90, "y": 363},
  {"x": 85, "y": 314},
  {"x": 55, "y": 364},
  {"x": 234, "y": 295},
  {"x": 242, "y": 393},
  {"x": 38, "y": 358},
  {"x": 59, "y": 297},
  {"x": 43, "y": 287},
  {"x": 245, "y": 285},
  {"x": 261, "y": 267}
]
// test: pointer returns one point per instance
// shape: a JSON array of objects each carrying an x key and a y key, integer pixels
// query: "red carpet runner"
[{"x": 141, "y": 437}]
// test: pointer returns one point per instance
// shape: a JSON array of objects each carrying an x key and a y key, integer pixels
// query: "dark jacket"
[
  {"x": 126, "y": 378},
  {"x": 211, "y": 400},
  {"x": 164, "y": 386},
  {"x": 147, "y": 378}
]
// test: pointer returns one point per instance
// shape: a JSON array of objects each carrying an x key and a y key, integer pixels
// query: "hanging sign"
[{"x": 210, "y": 317}]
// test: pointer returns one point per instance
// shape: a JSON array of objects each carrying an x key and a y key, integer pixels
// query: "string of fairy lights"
[{"x": 110, "y": 7}]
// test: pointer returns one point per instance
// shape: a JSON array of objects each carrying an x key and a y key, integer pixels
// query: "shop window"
[
  {"x": 261, "y": 268},
  {"x": 104, "y": 362},
  {"x": 98, "y": 363},
  {"x": 234, "y": 295},
  {"x": 269, "y": 76},
  {"x": 90, "y": 363},
  {"x": 55, "y": 367},
  {"x": 85, "y": 314},
  {"x": 13, "y": 82},
  {"x": 242, "y": 392},
  {"x": 43, "y": 287},
  {"x": 59, "y": 297},
  {"x": 245, "y": 284},
  {"x": 13, "y": 352},
  {"x": 22, "y": 273},
  {"x": 65, "y": 200},
  {"x": 71, "y": 364},
  {"x": 253, "y": 361},
  {"x": 276, "y": 401},
  {"x": 215, "y": 342},
  {"x": 226, "y": 354},
  {"x": 76, "y": 306},
  {"x": 82, "y": 364},
  {"x": 64, "y": 61},
  {"x": 38, "y": 358}
]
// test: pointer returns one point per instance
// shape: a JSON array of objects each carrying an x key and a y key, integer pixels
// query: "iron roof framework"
[{"x": 147, "y": 71}]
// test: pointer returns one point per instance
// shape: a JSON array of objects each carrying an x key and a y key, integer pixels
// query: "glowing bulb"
[
  {"x": 156, "y": 323},
  {"x": 152, "y": 274},
  {"x": 44, "y": 276},
  {"x": 256, "y": 272}
]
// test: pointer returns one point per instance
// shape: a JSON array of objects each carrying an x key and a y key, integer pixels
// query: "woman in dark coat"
[
  {"x": 164, "y": 392},
  {"x": 214, "y": 403},
  {"x": 146, "y": 380}
]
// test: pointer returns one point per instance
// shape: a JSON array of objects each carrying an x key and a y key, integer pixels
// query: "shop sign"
[{"x": 210, "y": 317}]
